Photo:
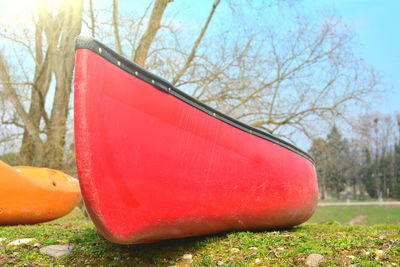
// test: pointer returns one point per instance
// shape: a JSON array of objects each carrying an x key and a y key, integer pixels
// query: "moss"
[{"x": 339, "y": 244}]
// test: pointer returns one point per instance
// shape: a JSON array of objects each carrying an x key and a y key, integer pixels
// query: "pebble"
[
  {"x": 57, "y": 250},
  {"x": 257, "y": 261},
  {"x": 187, "y": 256},
  {"x": 379, "y": 254},
  {"x": 21, "y": 241},
  {"x": 2, "y": 239},
  {"x": 235, "y": 250},
  {"x": 313, "y": 260}
]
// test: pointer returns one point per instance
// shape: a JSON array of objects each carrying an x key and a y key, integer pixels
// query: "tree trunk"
[
  {"x": 151, "y": 31},
  {"x": 323, "y": 187},
  {"x": 40, "y": 87},
  {"x": 64, "y": 63}
]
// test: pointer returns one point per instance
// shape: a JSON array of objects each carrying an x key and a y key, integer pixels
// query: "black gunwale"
[{"x": 167, "y": 87}]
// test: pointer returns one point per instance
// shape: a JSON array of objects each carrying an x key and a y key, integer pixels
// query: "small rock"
[
  {"x": 379, "y": 254},
  {"x": 367, "y": 253},
  {"x": 235, "y": 250},
  {"x": 2, "y": 239},
  {"x": 67, "y": 225},
  {"x": 57, "y": 250},
  {"x": 21, "y": 241},
  {"x": 257, "y": 261},
  {"x": 220, "y": 263},
  {"x": 313, "y": 260},
  {"x": 253, "y": 248},
  {"x": 286, "y": 235},
  {"x": 36, "y": 245},
  {"x": 15, "y": 254},
  {"x": 280, "y": 249},
  {"x": 187, "y": 256}
]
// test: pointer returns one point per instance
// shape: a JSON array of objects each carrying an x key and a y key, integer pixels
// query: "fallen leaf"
[{"x": 313, "y": 260}]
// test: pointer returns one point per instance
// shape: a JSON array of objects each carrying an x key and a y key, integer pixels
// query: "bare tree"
[
  {"x": 377, "y": 135},
  {"x": 51, "y": 48},
  {"x": 280, "y": 79},
  {"x": 152, "y": 28},
  {"x": 287, "y": 80}
]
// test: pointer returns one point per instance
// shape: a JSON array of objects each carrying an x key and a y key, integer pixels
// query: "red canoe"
[{"x": 154, "y": 163}]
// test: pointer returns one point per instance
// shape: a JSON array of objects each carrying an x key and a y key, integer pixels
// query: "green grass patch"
[
  {"x": 373, "y": 214},
  {"x": 339, "y": 244}
]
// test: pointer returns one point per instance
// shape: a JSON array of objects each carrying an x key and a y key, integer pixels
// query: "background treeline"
[
  {"x": 289, "y": 73},
  {"x": 367, "y": 165}
]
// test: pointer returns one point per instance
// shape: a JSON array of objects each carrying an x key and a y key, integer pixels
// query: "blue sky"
[{"x": 376, "y": 25}]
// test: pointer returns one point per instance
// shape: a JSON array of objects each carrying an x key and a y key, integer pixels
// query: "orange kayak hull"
[{"x": 30, "y": 195}]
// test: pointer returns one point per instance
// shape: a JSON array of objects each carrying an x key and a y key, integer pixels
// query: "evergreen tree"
[
  {"x": 339, "y": 161},
  {"x": 319, "y": 151},
  {"x": 368, "y": 175},
  {"x": 333, "y": 161}
]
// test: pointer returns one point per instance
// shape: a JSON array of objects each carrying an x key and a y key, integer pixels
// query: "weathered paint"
[{"x": 153, "y": 167}]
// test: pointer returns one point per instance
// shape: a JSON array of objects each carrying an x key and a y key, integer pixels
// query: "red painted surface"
[{"x": 153, "y": 167}]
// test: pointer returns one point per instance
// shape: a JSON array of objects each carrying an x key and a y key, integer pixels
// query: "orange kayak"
[{"x": 31, "y": 195}]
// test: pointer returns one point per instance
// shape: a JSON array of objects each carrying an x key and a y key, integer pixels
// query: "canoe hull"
[
  {"x": 154, "y": 167},
  {"x": 30, "y": 195}
]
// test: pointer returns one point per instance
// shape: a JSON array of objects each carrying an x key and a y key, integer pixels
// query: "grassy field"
[
  {"x": 373, "y": 214},
  {"x": 365, "y": 245}
]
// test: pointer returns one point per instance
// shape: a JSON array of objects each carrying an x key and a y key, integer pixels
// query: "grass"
[
  {"x": 356, "y": 200},
  {"x": 374, "y": 214},
  {"x": 339, "y": 244}
]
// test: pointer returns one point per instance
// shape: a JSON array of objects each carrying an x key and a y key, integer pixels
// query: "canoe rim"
[{"x": 83, "y": 42}]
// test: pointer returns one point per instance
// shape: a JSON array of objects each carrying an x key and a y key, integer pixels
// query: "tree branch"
[
  {"x": 196, "y": 44},
  {"x": 30, "y": 127},
  {"x": 116, "y": 27},
  {"x": 92, "y": 19},
  {"x": 151, "y": 31}
]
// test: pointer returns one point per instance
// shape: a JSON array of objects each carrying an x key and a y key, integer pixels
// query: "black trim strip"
[{"x": 162, "y": 84}]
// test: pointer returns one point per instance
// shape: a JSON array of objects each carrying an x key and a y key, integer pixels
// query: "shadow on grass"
[{"x": 95, "y": 249}]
